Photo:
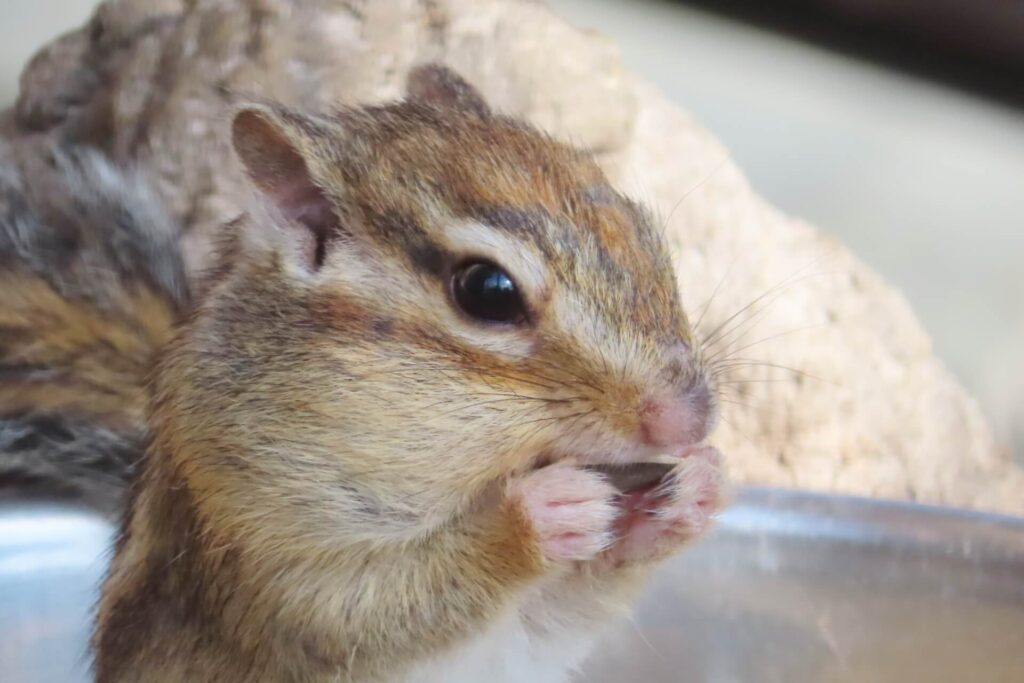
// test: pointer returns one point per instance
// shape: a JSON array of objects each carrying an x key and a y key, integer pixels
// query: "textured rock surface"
[{"x": 856, "y": 401}]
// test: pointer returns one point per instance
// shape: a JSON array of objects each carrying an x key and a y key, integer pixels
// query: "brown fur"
[
  {"x": 102, "y": 357},
  {"x": 92, "y": 284},
  {"x": 325, "y": 494}
]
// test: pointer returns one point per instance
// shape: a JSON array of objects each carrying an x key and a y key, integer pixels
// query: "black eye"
[{"x": 486, "y": 292}]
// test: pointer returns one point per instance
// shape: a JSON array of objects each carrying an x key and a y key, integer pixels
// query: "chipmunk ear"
[
  {"x": 439, "y": 86},
  {"x": 273, "y": 146}
]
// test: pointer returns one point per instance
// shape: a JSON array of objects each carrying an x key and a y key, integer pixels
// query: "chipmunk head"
[{"x": 426, "y": 297}]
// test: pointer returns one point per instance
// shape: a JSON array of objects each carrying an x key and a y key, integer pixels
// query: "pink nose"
[{"x": 676, "y": 420}]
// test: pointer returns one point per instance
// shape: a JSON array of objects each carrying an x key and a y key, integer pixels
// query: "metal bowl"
[{"x": 791, "y": 587}]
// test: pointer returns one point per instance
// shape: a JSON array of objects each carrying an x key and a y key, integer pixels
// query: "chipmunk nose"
[{"x": 677, "y": 418}]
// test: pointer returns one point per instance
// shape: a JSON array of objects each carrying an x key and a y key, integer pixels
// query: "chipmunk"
[
  {"x": 383, "y": 442},
  {"x": 92, "y": 282}
]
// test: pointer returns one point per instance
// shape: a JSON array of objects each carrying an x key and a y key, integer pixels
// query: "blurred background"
[{"x": 895, "y": 125}]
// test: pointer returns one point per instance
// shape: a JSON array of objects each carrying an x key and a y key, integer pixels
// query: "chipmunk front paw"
[
  {"x": 571, "y": 510},
  {"x": 655, "y": 523}
]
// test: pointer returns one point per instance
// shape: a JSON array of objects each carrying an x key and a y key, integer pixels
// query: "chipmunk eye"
[{"x": 486, "y": 292}]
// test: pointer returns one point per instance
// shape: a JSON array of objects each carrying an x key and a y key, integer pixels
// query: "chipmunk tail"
[{"x": 92, "y": 283}]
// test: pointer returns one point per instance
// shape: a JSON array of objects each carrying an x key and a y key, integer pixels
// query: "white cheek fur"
[{"x": 510, "y": 343}]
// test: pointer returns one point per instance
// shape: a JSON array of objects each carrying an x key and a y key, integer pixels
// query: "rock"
[{"x": 853, "y": 399}]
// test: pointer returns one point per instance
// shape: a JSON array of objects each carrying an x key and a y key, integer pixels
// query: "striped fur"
[{"x": 91, "y": 284}]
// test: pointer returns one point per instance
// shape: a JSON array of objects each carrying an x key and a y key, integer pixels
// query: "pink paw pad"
[
  {"x": 696, "y": 494},
  {"x": 572, "y": 511}
]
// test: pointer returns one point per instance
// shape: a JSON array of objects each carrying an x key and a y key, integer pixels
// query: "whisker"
[
  {"x": 491, "y": 375},
  {"x": 776, "y": 292},
  {"x": 741, "y": 408},
  {"x": 644, "y": 639},
  {"x": 701, "y": 183},
  {"x": 713, "y": 358},
  {"x": 545, "y": 399},
  {"x": 478, "y": 404},
  {"x": 582, "y": 380},
  {"x": 737, "y": 430},
  {"x": 742, "y": 404},
  {"x": 559, "y": 417},
  {"x": 486, "y": 378},
  {"x": 759, "y": 380},
  {"x": 720, "y": 367},
  {"x": 707, "y": 304},
  {"x": 741, "y": 327},
  {"x": 785, "y": 282}
]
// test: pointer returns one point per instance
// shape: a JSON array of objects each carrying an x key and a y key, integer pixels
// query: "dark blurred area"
[{"x": 977, "y": 45}]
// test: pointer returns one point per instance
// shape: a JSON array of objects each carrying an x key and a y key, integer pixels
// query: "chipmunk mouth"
[
  {"x": 642, "y": 473},
  {"x": 638, "y": 476},
  {"x": 635, "y": 477}
]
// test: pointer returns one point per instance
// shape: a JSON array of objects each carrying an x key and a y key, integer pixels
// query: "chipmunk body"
[
  {"x": 91, "y": 284},
  {"x": 371, "y": 442}
]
